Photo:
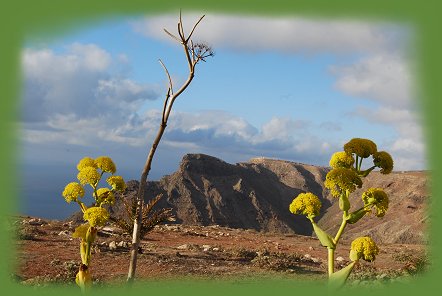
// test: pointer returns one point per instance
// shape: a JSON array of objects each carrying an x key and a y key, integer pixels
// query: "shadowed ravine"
[{"x": 256, "y": 195}]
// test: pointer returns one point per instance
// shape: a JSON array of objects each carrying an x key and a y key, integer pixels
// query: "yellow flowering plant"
[
  {"x": 90, "y": 172},
  {"x": 344, "y": 177}
]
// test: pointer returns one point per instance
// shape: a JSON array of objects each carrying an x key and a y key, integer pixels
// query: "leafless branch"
[
  {"x": 171, "y": 35},
  {"x": 168, "y": 76},
  {"x": 194, "y": 54},
  {"x": 194, "y": 27}
]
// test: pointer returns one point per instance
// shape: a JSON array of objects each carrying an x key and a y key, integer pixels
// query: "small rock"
[
  {"x": 215, "y": 249},
  {"x": 307, "y": 256},
  {"x": 55, "y": 262},
  {"x": 206, "y": 248},
  {"x": 183, "y": 247},
  {"x": 111, "y": 229},
  {"x": 381, "y": 276},
  {"x": 112, "y": 246},
  {"x": 340, "y": 259},
  {"x": 315, "y": 260},
  {"x": 122, "y": 244},
  {"x": 36, "y": 221},
  {"x": 172, "y": 227},
  {"x": 311, "y": 248},
  {"x": 64, "y": 232}
]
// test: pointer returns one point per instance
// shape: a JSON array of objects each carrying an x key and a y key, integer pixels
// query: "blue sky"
[{"x": 288, "y": 88}]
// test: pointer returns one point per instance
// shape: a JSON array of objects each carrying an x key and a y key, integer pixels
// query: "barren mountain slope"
[
  {"x": 253, "y": 195},
  {"x": 256, "y": 195},
  {"x": 405, "y": 220}
]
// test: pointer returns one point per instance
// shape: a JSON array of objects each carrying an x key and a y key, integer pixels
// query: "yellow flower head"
[
  {"x": 116, "y": 182},
  {"x": 361, "y": 147},
  {"x": 104, "y": 195},
  {"x": 86, "y": 162},
  {"x": 73, "y": 191},
  {"x": 105, "y": 164},
  {"x": 96, "y": 216},
  {"x": 341, "y": 160},
  {"x": 88, "y": 175},
  {"x": 378, "y": 198},
  {"x": 306, "y": 204},
  {"x": 384, "y": 161},
  {"x": 363, "y": 248},
  {"x": 339, "y": 180}
]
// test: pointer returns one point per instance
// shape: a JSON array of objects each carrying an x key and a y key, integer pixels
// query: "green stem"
[
  {"x": 82, "y": 206},
  {"x": 331, "y": 252},
  {"x": 360, "y": 164},
  {"x": 88, "y": 253},
  {"x": 331, "y": 261},
  {"x": 366, "y": 172},
  {"x": 341, "y": 228}
]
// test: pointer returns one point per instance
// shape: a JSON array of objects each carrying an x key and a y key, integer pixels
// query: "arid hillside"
[{"x": 256, "y": 195}]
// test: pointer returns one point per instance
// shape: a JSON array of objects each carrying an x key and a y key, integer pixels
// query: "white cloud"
[
  {"x": 289, "y": 34},
  {"x": 382, "y": 77},
  {"x": 206, "y": 131},
  {"x": 408, "y": 149},
  {"x": 73, "y": 97},
  {"x": 80, "y": 82},
  {"x": 281, "y": 129},
  {"x": 90, "y": 56}
]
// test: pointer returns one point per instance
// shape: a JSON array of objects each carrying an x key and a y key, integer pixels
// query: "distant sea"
[{"x": 41, "y": 187}]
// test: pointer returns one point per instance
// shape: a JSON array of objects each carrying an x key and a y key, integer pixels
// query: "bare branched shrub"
[{"x": 150, "y": 217}]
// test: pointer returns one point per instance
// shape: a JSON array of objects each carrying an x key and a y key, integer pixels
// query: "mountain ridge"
[{"x": 256, "y": 194}]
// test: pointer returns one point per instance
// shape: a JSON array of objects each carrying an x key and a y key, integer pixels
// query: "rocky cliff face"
[
  {"x": 405, "y": 220},
  {"x": 256, "y": 195}
]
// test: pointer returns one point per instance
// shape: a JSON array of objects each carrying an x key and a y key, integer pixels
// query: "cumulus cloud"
[
  {"x": 288, "y": 34},
  {"x": 408, "y": 149},
  {"x": 74, "y": 97},
  {"x": 79, "y": 82},
  {"x": 221, "y": 131},
  {"x": 383, "y": 77},
  {"x": 208, "y": 131}
]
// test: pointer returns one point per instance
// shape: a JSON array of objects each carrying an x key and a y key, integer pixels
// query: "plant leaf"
[
  {"x": 325, "y": 239},
  {"x": 338, "y": 278},
  {"x": 356, "y": 216}
]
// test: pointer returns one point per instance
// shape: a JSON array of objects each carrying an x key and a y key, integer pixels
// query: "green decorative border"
[{"x": 20, "y": 19}]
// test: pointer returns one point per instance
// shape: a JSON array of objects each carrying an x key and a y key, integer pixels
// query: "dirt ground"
[{"x": 46, "y": 253}]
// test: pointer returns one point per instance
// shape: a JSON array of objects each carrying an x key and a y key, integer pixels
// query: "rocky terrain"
[
  {"x": 233, "y": 222},
  {"x": 256, "y": 195},
  {"x": 46, "y": 254}
]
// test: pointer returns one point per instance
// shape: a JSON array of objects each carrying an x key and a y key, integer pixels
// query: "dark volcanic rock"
[
  {"x": 252, "y": 195},
  {"x": 256, "y": 195}
]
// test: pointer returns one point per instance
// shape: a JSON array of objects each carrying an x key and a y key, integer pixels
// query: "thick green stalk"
[
  {"x": 88, "y": 253},
  {"x": 331, "y": 252},
  {"x": 331, "y": 261}
]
